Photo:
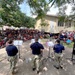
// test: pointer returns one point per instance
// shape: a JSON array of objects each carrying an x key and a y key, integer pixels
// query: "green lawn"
[
  {"x": 65, "y": 44},
  {"x": 68, "y": 45}
]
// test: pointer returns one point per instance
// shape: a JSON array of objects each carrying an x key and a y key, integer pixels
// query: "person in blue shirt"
[
  {"x": 68, "y": 41},
  {"x": 37, "y": 50},
  {"x": 61, "y": 37},
  {"x": 12, "y": 55},
  {"x": 58, "y": 50}
]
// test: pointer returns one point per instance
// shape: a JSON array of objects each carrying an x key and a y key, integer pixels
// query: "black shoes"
[
  {"x": 58, "y": 67},
  {"x": 38, "y": 72},
  {"x": 34, "y": 69},
  {"x": 61, "y": 67}
]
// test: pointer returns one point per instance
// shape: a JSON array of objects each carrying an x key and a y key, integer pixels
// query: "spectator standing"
[{"x": 74, "y": 36}]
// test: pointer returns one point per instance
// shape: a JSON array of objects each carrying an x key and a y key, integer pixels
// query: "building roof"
[
  {"x": 52, "y": 15},
  {"x": 34, "y": 16}
]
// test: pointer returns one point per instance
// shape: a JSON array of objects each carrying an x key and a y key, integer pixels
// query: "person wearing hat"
[
  {"x": 37, "y": 50},
  {"x": 58, "y": 50}
]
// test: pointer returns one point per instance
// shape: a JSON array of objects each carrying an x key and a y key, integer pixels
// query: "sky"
[
  {"x": 53, "y": 11},
  {"x": 25, "y": 9}
]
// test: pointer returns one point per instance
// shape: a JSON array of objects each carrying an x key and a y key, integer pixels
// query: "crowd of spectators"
[
  {"x": 28, "y": 34},
  {"x": 22, "y": 34},
  {"x": 67, "y": 36}
]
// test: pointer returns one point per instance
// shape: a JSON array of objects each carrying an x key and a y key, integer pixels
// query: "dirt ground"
[{"x": 25, "y": 62}]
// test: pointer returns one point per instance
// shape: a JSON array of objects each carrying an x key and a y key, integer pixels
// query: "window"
[
  {"x": 60, "y": 23},
  {"x": 68, "y": 24}
]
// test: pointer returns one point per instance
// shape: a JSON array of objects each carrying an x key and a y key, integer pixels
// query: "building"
[{"x": 54, "y": 25}]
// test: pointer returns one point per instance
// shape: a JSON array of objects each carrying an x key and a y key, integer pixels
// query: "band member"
[
  {"x": 12, "y": 55},
  {"x": 58, "y": 49},
  {"x": 37, "y": 50}
]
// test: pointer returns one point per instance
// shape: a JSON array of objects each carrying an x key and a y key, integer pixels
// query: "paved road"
[{"x": 25, "y": 67}]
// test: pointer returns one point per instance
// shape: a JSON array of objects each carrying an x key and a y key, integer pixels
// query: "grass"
[
  {"x": 65, "y": 44},
  {"x": 68, "y": 45}
]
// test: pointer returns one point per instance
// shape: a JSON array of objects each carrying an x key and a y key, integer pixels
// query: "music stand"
[
  {"x": 18, "y": 43},
  {"x": 50, "y": 45}
]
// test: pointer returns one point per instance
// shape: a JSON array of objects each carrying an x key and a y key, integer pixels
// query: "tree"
[
  {"x": 41, "y": 7},
  {"x": 29, "y": 22},
  {"x": 11, "y": 14},
  {"x": 9, "y": 7},
  {"x": 62, "y": 14}
]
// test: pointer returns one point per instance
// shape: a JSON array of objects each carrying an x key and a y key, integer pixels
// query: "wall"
[{"x": 52, "y": 25}]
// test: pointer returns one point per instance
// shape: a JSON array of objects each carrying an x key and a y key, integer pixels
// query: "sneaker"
[{"x": 34, "y": 69}]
